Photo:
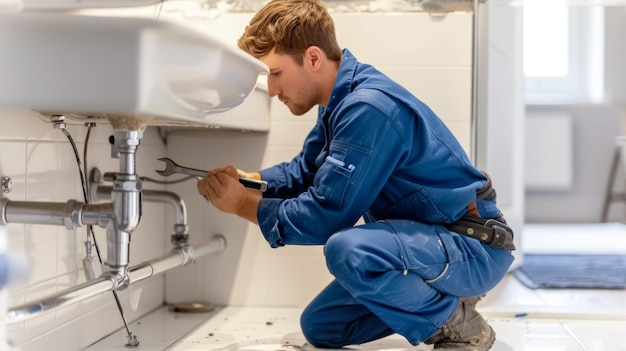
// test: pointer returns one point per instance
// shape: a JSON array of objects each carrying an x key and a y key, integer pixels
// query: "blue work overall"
[{"x": 379, "y": 153}]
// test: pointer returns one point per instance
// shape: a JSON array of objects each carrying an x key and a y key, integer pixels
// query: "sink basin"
[
  {"x": 82, "y": 4},
  {"x": 94, "y": 66}
]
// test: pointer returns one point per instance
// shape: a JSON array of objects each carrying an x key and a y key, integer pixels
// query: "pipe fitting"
[
  {"x": 100, "y": 192},
  {"x": 180, "y": 240},
  {"x": 189, "y": 256},
  {"x": 127, "y": 138},
  {"x": 119, "y": 276},
  {"x": 3, "y": 210},
  {"x": 58, "y": 121},
  {"x": 73, "y": 214},
  {"x": 98, "y": 214},
  {"x": 180, "y": 229},
  {"x": 118, "y": 250},
  {"x": 127, "y": 204},
  {"x": 7, "y": 184}
]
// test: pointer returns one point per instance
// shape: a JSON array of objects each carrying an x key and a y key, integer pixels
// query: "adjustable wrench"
[{"x": 171, "y": 167}]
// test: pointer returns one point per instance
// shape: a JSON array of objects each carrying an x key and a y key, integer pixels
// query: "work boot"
[
  {"x": 466, "y": 330},
  {"x": 473, "y": 301}
]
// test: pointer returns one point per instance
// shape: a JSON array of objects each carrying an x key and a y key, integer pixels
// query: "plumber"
[{"x": 433, "y": 238}]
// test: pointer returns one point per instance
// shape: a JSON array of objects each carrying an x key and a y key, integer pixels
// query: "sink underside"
[{"x": 100, "y": 66}]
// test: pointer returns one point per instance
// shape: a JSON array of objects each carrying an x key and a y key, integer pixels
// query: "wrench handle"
[
  {"x": 259, "y": 185},
  {"x": 192, "y": 172}
]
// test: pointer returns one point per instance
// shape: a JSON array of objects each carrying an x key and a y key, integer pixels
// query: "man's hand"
[{"x": 222, "y": 188}]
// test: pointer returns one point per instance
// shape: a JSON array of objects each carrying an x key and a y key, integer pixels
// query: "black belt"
[
  {"x": 491, "y": 231},
  {"x": 487, "y": 192}
]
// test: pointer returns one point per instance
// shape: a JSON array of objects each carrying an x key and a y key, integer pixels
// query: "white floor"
[{"x": 524, "y": 319}]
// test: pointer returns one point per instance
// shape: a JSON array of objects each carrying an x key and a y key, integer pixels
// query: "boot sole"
[{"x": 465, "y": 346}]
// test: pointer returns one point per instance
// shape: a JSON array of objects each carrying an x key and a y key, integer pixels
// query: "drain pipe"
[
  {"x": 127, "y": 201},
  {"x": 70, "y": 214},
  {"x": 101, "y": 192},
  {"x": 178, "y": 257}
]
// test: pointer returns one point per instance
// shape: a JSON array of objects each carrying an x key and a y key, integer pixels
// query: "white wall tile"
[
  {"x": 43, "y": 342},
  {"x": 41, "y": 246},
  {"x": 98, "y": 323},
  {"x": 287, "y": 129},
  {"x": 13, "y": 165},
  {"x": 15, "y": 333},
  {"x": 41, "y": 129},
  {"x": 39, "y": 326},
  {"x": 407, "y": 39},
  {"x": 71, "y": 312},
  {"x": 14, "y": 124},
  {"x": 68, "y": 244},
  {"x": 67, "y": 335}
]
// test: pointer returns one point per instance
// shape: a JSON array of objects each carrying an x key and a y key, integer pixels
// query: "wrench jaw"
[{"x": 169, "y": 167}]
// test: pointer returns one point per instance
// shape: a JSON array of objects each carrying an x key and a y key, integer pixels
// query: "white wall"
[{"x": 431, "y": 56}]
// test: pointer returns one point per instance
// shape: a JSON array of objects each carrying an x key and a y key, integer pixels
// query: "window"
[{"x": 563, "y": 52}]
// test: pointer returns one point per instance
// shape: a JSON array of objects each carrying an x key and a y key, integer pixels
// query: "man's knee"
[
  {"x": 315, "y": 332},
  {"x": 340, "y": 251}
]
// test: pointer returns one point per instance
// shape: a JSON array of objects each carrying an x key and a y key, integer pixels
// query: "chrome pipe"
[
  {"x": 126, "y": 198},
  {"x": 71, "y": 214},
  {"x": 127, "y": 142},
  {"x": 216, "y": 245},
  {"x": 64, "y": 298},
  {"x": 103, "y": 193},
  {"x": 178, "y": 257},
  {"x": 126, "y": 193},
  {"x": 118, "y": 256},
  {"x": 173, "y": 200}
]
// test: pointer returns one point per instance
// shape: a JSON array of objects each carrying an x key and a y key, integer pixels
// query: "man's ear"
[{"x": 313, "y": 57}]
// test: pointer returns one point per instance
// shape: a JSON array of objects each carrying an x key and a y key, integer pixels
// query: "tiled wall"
[{"x": 430, "y": 56}]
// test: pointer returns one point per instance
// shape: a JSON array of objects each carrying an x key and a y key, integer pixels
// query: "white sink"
[
  {"x": 82, "y": 4},
  {"x": 96, "y": 66}
]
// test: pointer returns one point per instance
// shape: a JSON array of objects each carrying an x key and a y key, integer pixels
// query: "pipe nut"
[
  {"x": 7, "y": 184},
  {"x": 181, "y": 228},
  {"x": 127, "y": 185},
  {"x": 73, "y": 214}
]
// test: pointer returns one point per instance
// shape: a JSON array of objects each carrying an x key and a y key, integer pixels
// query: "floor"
[{"x": 524, "y": 319}]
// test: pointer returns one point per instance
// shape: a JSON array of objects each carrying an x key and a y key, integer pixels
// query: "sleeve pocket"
[{"x": 332, "y": 181}]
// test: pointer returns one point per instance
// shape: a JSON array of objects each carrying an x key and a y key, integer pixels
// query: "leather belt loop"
[{"x": 487, "y": 192}]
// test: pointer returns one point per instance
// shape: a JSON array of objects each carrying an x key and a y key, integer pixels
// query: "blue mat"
[{"x": 560, "y": 271}]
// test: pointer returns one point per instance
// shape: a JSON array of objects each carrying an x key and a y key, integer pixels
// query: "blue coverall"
[{"x": 379, "y": 153}]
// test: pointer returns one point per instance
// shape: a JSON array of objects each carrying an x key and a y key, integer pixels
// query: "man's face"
[{"x": 292, "y": 83}]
